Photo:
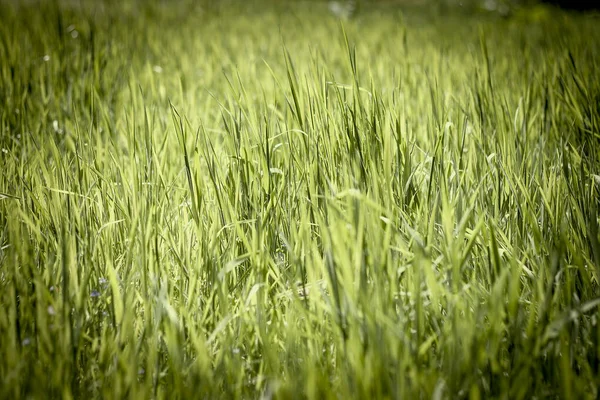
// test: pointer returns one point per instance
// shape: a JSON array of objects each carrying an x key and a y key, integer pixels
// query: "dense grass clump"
[{"x": 232, "y": 201}]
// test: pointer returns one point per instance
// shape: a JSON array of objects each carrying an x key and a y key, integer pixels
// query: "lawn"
[{"x": 266, "y": 200}]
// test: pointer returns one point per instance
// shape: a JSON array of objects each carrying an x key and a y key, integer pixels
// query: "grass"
[{"x": 227, "y": 201}]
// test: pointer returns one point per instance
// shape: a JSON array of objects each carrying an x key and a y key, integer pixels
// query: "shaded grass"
[{"x": 205, "y": 202}]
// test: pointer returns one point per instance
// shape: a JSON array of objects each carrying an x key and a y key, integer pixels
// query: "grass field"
[{"x": 244, "y": 201}]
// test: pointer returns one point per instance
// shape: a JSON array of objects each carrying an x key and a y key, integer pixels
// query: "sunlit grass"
[{"x": 225, "y": 202}]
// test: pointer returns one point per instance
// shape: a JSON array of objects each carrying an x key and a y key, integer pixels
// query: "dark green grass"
[{"x": 209, "y": 201}]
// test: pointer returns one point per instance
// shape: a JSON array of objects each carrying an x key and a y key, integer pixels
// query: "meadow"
[{"x": 265, "y": 200}]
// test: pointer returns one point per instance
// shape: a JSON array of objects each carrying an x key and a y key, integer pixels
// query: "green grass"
[{"x": 233, "y": 202}]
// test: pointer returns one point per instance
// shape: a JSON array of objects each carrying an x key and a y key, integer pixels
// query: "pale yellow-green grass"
[{"x": 223, "y": 200}]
